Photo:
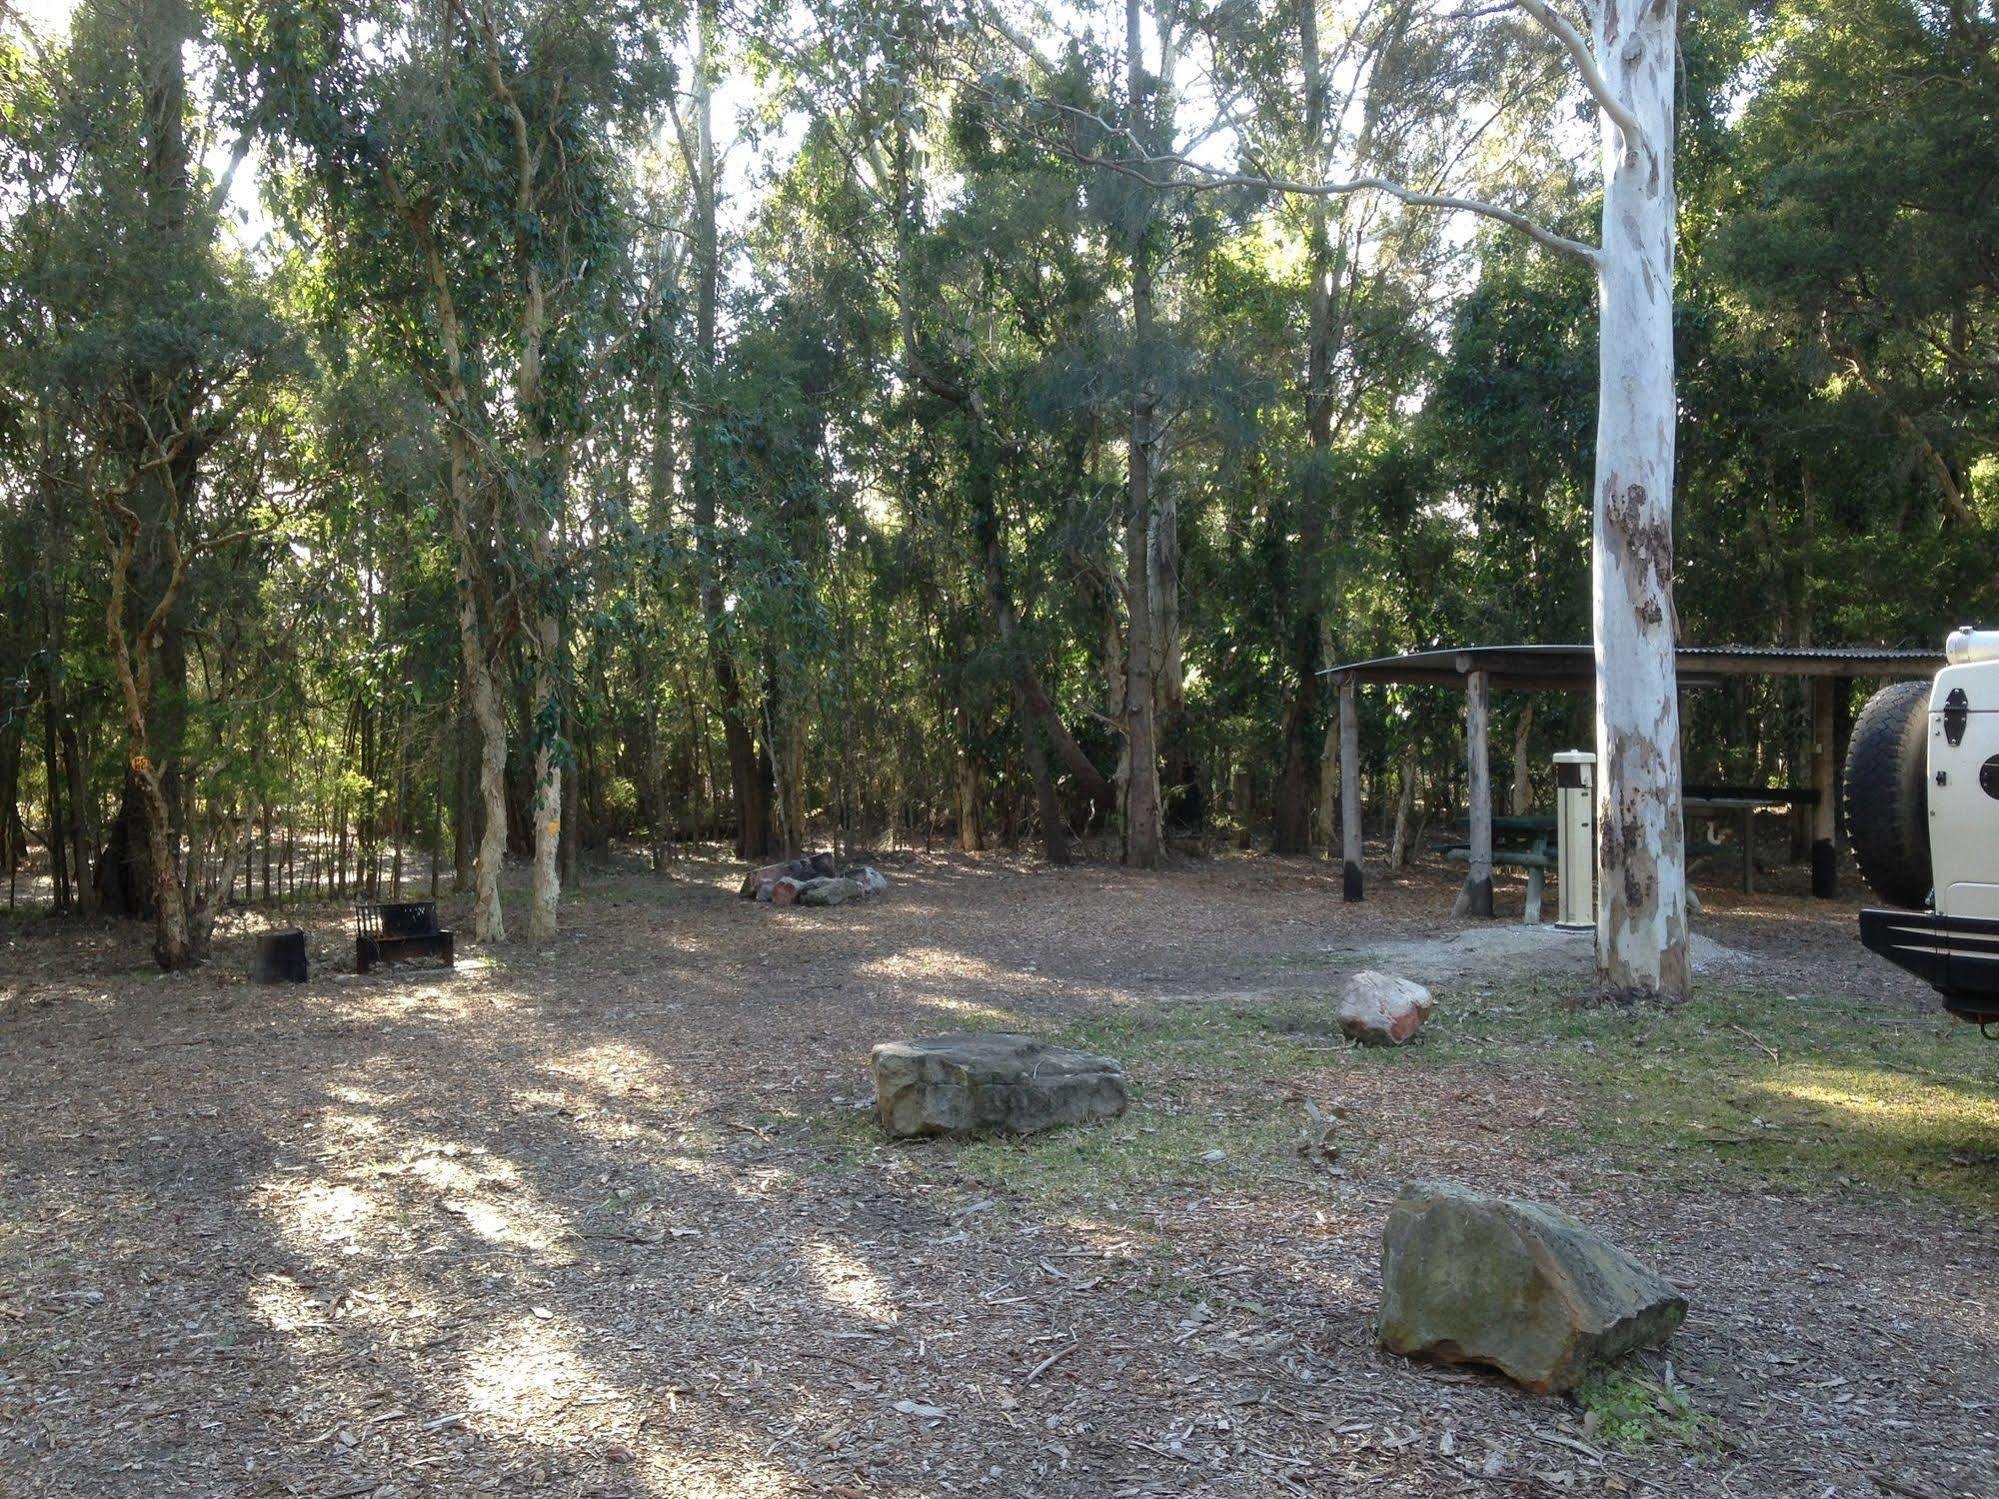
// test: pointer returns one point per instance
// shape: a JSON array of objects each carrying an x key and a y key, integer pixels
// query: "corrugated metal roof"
[{"x": 1572, "y": 668}]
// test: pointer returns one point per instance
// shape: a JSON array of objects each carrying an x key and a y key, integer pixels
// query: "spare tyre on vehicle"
[{"x": 1887, "y": 793}]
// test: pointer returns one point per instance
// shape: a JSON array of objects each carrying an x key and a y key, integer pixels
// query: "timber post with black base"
[
  {"x": 1475, "y": 899},
  {"x": 1350, "y": 845},
  {"x": 1825, "y": 811}
]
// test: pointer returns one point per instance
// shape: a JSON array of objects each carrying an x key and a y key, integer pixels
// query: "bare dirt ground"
[{"x": 608, "y": 1218}]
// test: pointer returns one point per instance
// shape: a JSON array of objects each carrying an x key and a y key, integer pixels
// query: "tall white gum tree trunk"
[
  {"x": 1641, "y": 921},
  {"x": 1628, "y": 64}
]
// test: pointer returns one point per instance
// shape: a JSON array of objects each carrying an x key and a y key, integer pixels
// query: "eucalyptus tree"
[
  {"x": 1867, "y": 252},
  {"x": 147, "y": 354},
  {"x": 1340, "y": 92},
  {"x": 982, "y": 278},
  {"x": 1626, "y": 66},
  {"x": 457, "y": 167}
]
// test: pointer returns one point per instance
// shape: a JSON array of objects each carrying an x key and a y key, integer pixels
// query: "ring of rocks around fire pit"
[{"x": 813, "y": 880}]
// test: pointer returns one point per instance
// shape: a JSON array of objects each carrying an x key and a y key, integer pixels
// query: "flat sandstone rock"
[
  {"x": 1523, "y": 1287},
  {"x": 991, "y": 1084}
]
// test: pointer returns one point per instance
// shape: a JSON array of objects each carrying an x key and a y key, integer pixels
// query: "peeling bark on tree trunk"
[
  {"x": 971, "y": 800},
  {"x": 132, "y": 658},
  {"x": 1641, "y": 889},
  {"x": 489, "y": 923}
]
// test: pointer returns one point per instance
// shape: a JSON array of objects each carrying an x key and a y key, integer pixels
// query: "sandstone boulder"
[
  {"x": 991, "y": 1084},
  {"x": 1520, "y": 1286},
  {"x": 1381, "y": 1009}
]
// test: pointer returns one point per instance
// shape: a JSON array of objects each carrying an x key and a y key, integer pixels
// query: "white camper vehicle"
[{"x": 1922, "y": 812}]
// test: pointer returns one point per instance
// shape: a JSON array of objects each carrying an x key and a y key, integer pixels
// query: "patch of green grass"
[
  {"x": 1740, "y": 1086},
  {"x": 1783, "y": 1088},
  {"x": 1739, "y": 1083},
  {"x": 1627, "y": 1410},
  {"x": 1114, "y": 1168}
]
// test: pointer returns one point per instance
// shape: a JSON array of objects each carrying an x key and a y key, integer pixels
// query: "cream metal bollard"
[{"x": 1575, "y": 830}]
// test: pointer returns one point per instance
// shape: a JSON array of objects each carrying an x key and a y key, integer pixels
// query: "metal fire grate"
[{"x": 395, "y": 931}]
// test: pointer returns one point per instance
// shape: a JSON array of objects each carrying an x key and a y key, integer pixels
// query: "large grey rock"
[
  {"x": 836, "y": 891},
  {"x": 1467, "y": 1278},
  {"x": 1381, "y": 1009},
  {"x": 991, "y": 1084}
]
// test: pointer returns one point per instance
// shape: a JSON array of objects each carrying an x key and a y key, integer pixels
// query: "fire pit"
[{"x": 398, "y": 930}]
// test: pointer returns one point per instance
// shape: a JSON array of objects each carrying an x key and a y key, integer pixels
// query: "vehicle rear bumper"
[{"x": 1958, "y": 956}]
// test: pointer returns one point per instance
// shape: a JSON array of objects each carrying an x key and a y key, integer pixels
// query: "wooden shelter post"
[
  {"x": 1825, "y": 811},
  {"x": 1350, "y": 850},
  {"x": 1476, "y": 897}
]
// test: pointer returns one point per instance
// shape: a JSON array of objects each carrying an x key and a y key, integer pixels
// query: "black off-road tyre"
[{"x": 1888, "y": 793}]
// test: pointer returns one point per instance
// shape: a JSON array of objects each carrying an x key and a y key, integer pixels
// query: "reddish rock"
[
  {"x": 1381, "y": 1009},
  {"x": 784, "y": 890}
]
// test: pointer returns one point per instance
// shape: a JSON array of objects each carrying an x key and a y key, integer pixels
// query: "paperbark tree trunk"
[
  {"x": 1641, "y": 888},
  {"x": 537, "y": 495},
  {"x": 466, "y": 786},
  {"x": 132, "y": 657},
  {"x": 971, "y": 804},
  {"x": 124, "y": 877},
  {"x": 489, "y": 923}
]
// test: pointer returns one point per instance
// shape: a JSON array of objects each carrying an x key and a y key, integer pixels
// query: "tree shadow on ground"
[{"x": 604, "y": 1218}]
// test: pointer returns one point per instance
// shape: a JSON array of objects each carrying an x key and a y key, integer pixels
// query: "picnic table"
[
  {"x": 1744, "y": 802},
  {"x": 1528, "y": 842}
]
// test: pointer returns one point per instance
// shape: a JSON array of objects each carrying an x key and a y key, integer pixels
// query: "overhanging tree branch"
[
  {"x": 1207, "y": 178},
  {"x": 1577, "y": 46}
]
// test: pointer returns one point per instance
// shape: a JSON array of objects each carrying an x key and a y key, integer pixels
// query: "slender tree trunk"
[
  {"x": 747, "y": 770},
  {"x": 465, "y": 785},
  {"x": 1641, "y": 889},
  {"x": 482, "y": 694},
  {"x": 1405, "y": 804},
  {"x": 546, "y": 884},
  {"x": 82, "y": 820},
  {"x": 57, "y": 836},
  {"x": 489, "y": 922},
  {"x": 1144, "y": 834},
  {"x": 1521, "y": 802},
  {"x": 1329, "y": 786},
  {"x": 1291, "y": 827}
]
